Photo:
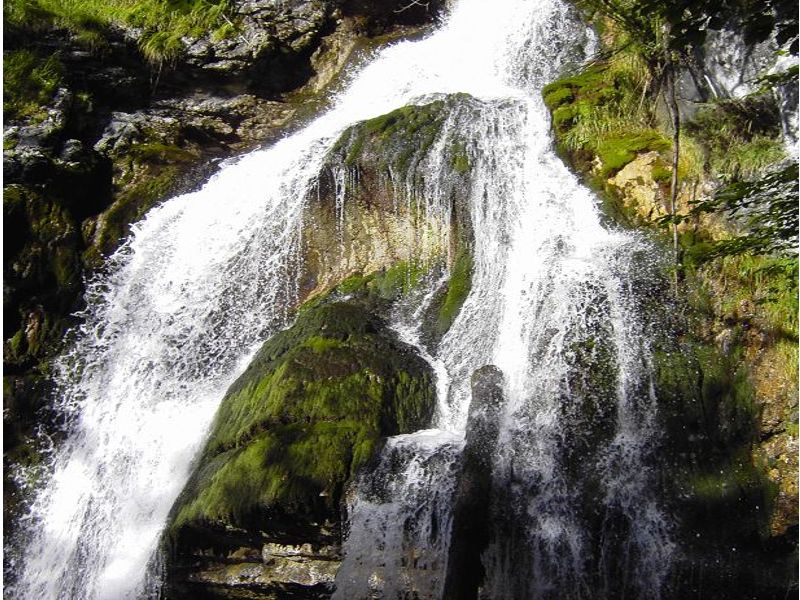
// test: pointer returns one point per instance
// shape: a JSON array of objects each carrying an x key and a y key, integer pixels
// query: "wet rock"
[
  {"x": 269, "y": 49},
  {"x": 291, "y": 432},
  {"x": 277, "y": 566},
  {"x": 470, "y": 530}
]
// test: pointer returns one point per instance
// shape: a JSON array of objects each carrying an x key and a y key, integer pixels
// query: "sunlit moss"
[
  {"x": 29, "y": 83},
  {"x": 311, "y": 408},
  {"x": 163, "y": 23}
]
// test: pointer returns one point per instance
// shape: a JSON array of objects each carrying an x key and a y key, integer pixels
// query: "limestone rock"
[{"x": 638, "y": 188}]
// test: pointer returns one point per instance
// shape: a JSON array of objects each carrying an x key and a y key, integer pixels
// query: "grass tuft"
[{"x": 163, "y": 22}]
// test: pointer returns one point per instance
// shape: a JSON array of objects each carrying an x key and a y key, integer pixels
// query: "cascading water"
[
  {"x": 208, "y": 276},
  {"x": 551, "y": 302}
]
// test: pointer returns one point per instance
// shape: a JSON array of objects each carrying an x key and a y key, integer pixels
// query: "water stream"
[{"x": 207, "y": 276}]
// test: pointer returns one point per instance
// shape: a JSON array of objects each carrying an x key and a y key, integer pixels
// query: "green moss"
[
  {"x": 727, "y": 481},
  {"x": 708, "y": 391},
  {"x": 458, "y": 287},
  {"x": 297, "y": 464},
  {"x": 616, "y": 152},
  {"x": 459, "y": 158},
  {"x": 310, "y": 409},
  {"x": 18, "y": 344},
  {"x": 65, "y": 266},
  {"x": 151, "y": 186},
  {"x": 10, "y": 142},
  {"x": 157, "y": 152},
  {"x": 662, "y": 174},
  {"x": 401, "y": 138},
  {"x": 555, "y": 96},
  {"x": 563, "y": 116},
  {"x": 398, "y": 137}
]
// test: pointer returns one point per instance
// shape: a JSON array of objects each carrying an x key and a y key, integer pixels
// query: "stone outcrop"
[
  {"x": 726, "y": 379},
  {"x": 262, "y": 512},
  {"x": 291, "y": 432}
]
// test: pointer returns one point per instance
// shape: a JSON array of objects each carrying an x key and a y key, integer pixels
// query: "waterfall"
[{"x": 208, "y": 276}]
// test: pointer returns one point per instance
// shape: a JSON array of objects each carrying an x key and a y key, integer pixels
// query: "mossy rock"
[
  {"x": 401, "y": 138},
  {"x": 447, "y": 304},
  {"x": 617, "y": 152},
  {"x": 158, "y": 177},
  {"x": 308, "y": 412}
]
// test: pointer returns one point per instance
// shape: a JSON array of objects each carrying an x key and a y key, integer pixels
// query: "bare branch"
[{"x": 413, "y": 3}]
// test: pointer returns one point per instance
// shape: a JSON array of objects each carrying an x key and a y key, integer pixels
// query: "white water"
[
  {"x": 547, "y": 277},
  {"x": 207, "y": 276}
]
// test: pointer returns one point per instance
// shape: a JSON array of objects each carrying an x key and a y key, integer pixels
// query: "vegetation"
[
  {"x": 740, "y": 138},
  {"x": 29, "y": 82},
  {"x": 726, "y": 191},
  {"x": 458, "y": 288},
  {"x": 600, "y": 112},
  {"x": 311, "y": 408},
  {"x": 399, "y": 139},
  {"x": 163, "y": 22}
]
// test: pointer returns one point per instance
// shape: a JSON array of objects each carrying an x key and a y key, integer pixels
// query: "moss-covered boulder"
[
  {"x": 309, "y": 411},
  {"x": 363, "y": 217},
  {"x": 305, "y": 415}
]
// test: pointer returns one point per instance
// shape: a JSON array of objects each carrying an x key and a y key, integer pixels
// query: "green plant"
[
  {"x": 163, "y": 22},
  {"x": 29, "y": 82}
]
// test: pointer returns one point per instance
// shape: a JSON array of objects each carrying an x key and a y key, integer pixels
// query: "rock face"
[
  {"x": 290, "y": 433},
  {"x": 723, "y": 366},
  {"x": 360, "y": 217},
  {"x": 269, "y": 50},
  {"x": 262, "y": 512}
]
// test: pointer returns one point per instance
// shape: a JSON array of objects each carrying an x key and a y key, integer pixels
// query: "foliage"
[
  {"x": 741, "y": 137},
  {"x": 29, "y": 82},
  {"x": 765, "y": 210},
  {"x": 680, "y": 25},
  {"x": 163, "y": 22},
  {"x": 601, "y": 111}
]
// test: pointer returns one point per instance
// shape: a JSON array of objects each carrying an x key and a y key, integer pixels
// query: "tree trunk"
[{"x": 675, "y": 117}]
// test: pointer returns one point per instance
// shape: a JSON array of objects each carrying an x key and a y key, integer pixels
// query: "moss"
[
  {"x": 18, "y": 344},
  {"x": 662, "y": 173},
  {"x": 563, "y": 116},
  {"x": 65, "y": 266},
  {"x": 157, "y": 182},
  {"x": 617, "y": 152},
  {"x": 459, "y": 158},
  {"x": 403, "y": 137},
  {"x": 555, "y": 96},
  {"x": 310, "y": 409},
  {"x": 458, "y": 287},
  {"x": 296, "y": 464},
  {"x": 398, "y": 137},
  {"x": 157, "y": 152}
]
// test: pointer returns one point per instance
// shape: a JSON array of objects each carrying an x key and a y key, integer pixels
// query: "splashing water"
[
  {"x": 551, "y": 304},
  {"x": 207, "y": 276}
]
